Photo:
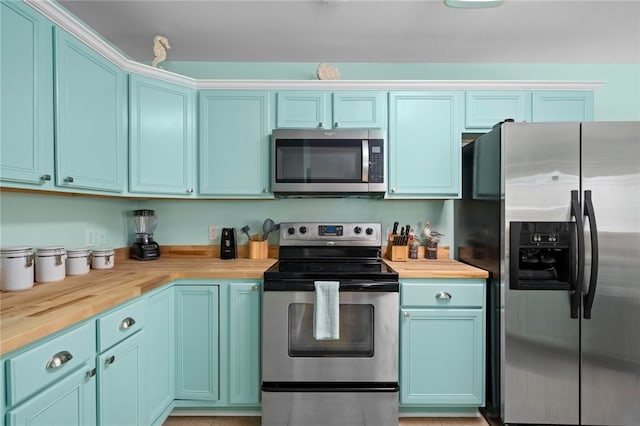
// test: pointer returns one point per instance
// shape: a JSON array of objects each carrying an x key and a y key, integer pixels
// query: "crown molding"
[{"x": 60, "y": 17}]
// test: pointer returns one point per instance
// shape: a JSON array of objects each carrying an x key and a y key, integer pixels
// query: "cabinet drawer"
[
  {"x": 49, "y": 362},
  {"x": 120, "y": 324},
  {"x": 443, "y": 294}
]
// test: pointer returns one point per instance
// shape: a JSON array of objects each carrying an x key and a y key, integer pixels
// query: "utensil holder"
[
  {"x": 258, "y": 249},
  {"x": 397, "y": 253}
]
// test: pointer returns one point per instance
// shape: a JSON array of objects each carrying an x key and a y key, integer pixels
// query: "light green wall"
[
  {"x": 617, "y": 99},
  {"x": 42, "y": 220}
]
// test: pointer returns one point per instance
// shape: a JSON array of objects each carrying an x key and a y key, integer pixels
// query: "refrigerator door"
[
  {"x": 539, "y": 339},
  {"x": 611, "y": 337}
]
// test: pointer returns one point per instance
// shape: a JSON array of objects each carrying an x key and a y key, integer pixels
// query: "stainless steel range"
[{"x": 348, "y": 377}]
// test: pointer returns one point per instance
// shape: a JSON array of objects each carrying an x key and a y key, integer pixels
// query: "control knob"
[
  {"x": 303, "y": 229},
  {"x": 291, "y": 230},
  {"x": 369, "y": 231},
  {"x": 357, "y": 230}
]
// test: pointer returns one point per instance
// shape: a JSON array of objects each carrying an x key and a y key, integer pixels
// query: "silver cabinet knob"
[
  {"x": 255, "y": 288},
  {"x": 405, "y": 314},
  {"x": 321, "y": 124},
  {"x": 90, "y": 373},
  {"x": 58, "y": 360},
  {"x": 443, "y": 295},
  {"x": 126, "y": 323},
  {"x": 189, "y": 190},
  {"x": 393, "y": 190},
  {"x": 336, "y": 124},
  {"x": 265, "y": 190},
  {"x": 45, "y": 177},
  {"x": 68, "y": 179},
  {"x": 110, "y": 360}
]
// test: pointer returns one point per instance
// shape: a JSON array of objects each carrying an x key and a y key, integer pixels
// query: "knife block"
[
  {"x": 258, "y": 249},
  {"x": 397, "y": 253}
]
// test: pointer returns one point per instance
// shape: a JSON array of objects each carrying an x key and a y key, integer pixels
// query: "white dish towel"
[{"x": 326, "y": 318}]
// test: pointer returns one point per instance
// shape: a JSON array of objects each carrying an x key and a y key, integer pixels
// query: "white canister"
[
  {"x": 50, "y": 264},
  {"x": 78, "y": 261},
  {"x": 16, "y": 268},
  {"x": 103, "y": 258}
]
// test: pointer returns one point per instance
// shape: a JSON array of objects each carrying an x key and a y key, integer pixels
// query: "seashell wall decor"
[{"x": 327, "y": 72}]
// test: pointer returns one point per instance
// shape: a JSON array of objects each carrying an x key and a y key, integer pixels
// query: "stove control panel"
[{"x": 327, "y": 233}]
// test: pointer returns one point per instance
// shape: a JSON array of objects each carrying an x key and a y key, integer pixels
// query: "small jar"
[
  {"x": 16, "y": 268},
  {"x": 413, "y": 248},
  {"x": 50, "y": 264},
  {"x": 103, "y": 258},
  {"x": 78, "y": 261}
]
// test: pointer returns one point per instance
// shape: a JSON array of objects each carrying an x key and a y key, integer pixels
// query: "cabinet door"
[
  {"x": 483, "y": 109},
  {"x": 563, "y": 105},
  {"x": 359, "y": 109},
  {"x": 26, "y": 101},
  {"x": 197, "y": 342},
  {"x": 234, "y": 143},
  {"x": 161, "y": 137},
  {"x": 244, "y": 348},
  {"x": 90, "y": 118},
  {"x": 424, "y": 144},
  {"x": 160, "y": 334},
  {"x": 121, "y": 383},
  {"x": 71, "y": 401},
  {"x": 442, "y": 357},
  {"x": 299, "y": 109}
]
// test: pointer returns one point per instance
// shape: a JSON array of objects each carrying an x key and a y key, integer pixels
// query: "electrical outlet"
[
  {"x": 213, "y": 232},
  {"x": 90, "y": 237}
]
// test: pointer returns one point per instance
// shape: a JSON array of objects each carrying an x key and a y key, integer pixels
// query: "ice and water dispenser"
[{"x": 542, "y": 255}]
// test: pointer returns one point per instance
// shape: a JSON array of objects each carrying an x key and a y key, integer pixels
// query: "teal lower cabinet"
[
  {"x": 160, "y": 335},
  {"x": 121, "y": 383},
  {"x": 53, "y": 382},
  {"x": 442, "y": 330},
  {"x": 197, "y": 342},
  {"x": 70, "y": 401},
  {"x": 244, "y": 343}
]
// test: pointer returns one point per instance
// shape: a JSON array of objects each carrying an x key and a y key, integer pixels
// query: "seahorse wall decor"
[{"x": 160, "y": 44}]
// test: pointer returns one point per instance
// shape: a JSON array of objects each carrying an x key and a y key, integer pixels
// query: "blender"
[{"x": 144, "y": 247}]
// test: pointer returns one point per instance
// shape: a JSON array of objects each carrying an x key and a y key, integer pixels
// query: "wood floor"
[{"x": 255, "y": 421}]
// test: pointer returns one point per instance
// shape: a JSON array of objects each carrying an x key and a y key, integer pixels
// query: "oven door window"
[
  {"x": 312, "y": 161},
  {"x": 356, "y": 332}
]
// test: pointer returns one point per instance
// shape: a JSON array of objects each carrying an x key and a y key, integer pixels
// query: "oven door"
[{"x": 367, "y": 350}]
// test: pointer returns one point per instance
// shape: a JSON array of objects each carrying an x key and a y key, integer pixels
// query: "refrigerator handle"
[
  {"x": 593, "y": 280},
  {"x": 576, "y": 212}
]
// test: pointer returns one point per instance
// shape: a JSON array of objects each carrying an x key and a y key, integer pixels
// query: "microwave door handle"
[{"x": 365, "y": 161}]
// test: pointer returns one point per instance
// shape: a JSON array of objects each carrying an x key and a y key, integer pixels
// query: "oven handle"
[
  {"x": 330, "y": 387},
  {"x": 364, "y": 286}
]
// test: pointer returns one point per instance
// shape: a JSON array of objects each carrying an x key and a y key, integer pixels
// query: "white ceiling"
[{"x": 420, "y": 31}]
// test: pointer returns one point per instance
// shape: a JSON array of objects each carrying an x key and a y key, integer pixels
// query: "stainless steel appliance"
[
  {"x": 552, "y": 211},
  {"x": 144, "y": 247},
  {"x": 328, "y": 161},
  {"x": 352, "y": 380}
]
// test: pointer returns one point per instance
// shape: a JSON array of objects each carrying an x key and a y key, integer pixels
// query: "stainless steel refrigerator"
[{"x": 552, "y": 211}]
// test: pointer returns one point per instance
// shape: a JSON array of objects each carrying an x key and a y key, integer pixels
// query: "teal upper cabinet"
[
  {"x": 26, "y": 95},
  {"x": 197, "y": 342},
  {"x": 345, "y": 109},
  {"x": 424, "y": 144},
  {"x": 234, "y": 143},
  {"x": 90, "y": 118},
  {"x": 483, "y": 109},
  {"x": 161, "y": 137},
  {"x": 562, "y": 105}
]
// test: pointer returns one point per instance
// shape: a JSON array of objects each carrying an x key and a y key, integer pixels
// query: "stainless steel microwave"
[{"x": 328, "y": 161}]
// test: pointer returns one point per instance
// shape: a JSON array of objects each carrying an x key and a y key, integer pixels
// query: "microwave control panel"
[{"x": 376, "y": 161}]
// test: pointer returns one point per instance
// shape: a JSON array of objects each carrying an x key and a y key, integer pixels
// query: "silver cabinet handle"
[
  {"x": 90, "y": 373},
  {"x": 59, "y": 359},
  {"x": 255, "y": 288},
  {"x": 189, "y": 190},
  {"x": 110, "y": 360},
  {"x": 405, "y": 314},
  {"x": 320, "y": 125},
  {"x": 336, "y": 124},
  {"x": 45, "y": 177},
  {"x": 443, "y": 295},
  {"x": 393, "y": 190},
  {"x": 68, "y": 179},
  {"x": 126, "y": 323}
]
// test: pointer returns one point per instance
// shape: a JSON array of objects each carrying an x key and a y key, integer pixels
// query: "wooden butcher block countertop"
[{"x": 27, "y": 316}]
